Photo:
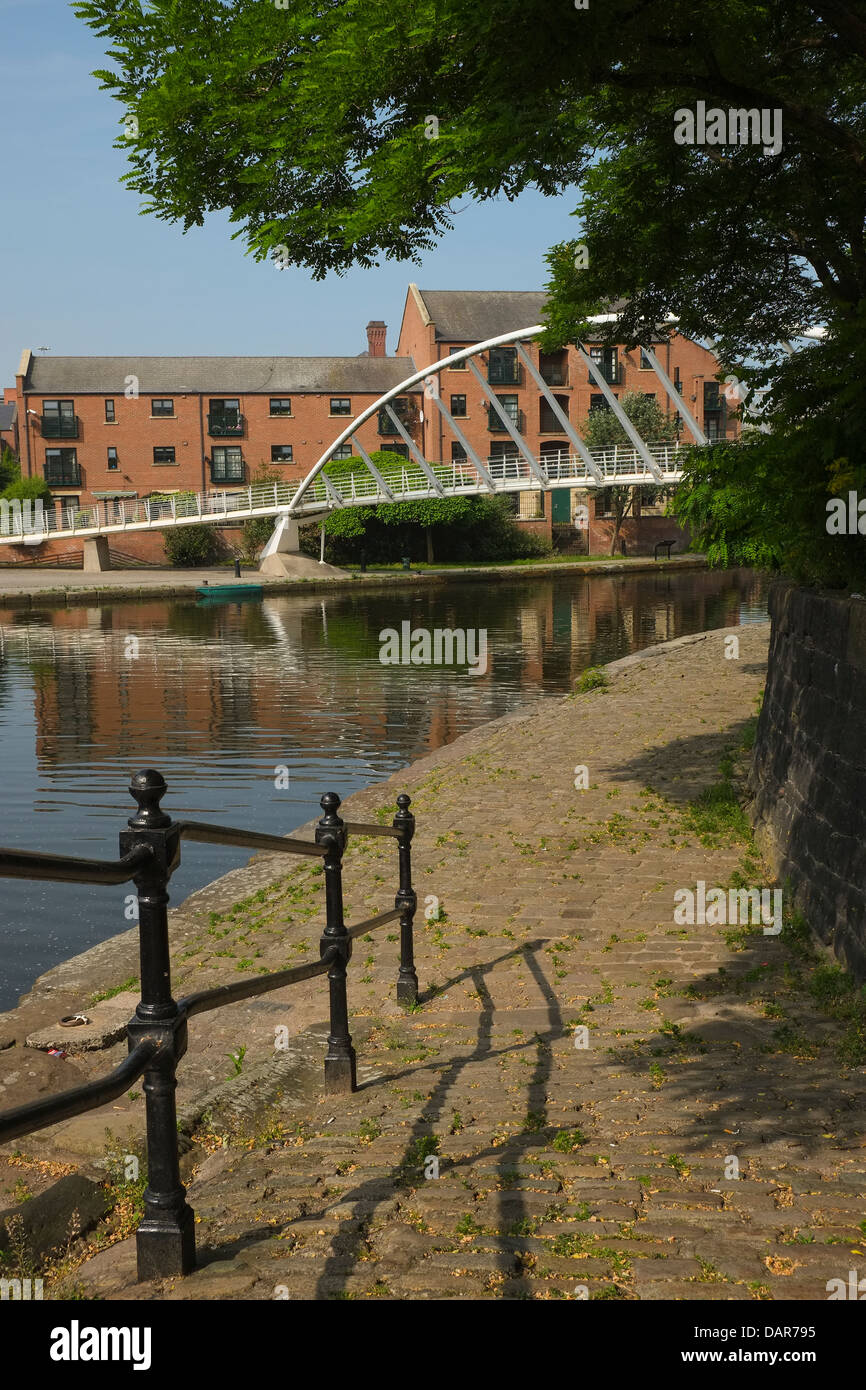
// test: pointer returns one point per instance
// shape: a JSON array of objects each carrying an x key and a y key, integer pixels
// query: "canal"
[{"x": 252, "y": 710}]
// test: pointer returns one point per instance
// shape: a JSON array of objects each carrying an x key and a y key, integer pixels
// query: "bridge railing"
[
  {"x": 408, "y": 480},
  {"x": 157, "y": 1032}
]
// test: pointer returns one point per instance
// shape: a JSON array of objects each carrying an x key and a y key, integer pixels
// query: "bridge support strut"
[
  {"x": 282, "y": 556},
  {"x": 96, "y": 555}
]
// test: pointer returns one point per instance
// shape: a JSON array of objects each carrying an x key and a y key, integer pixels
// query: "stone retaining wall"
[{"x": 808, "y": 777}]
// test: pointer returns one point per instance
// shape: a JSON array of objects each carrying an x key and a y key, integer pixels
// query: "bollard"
[
  {"x": 237, "y": 569},
  {"x": 340, "y": 1073},
  {"x": 407, "y": 563},
  {"x": 165, "y": 1241},
  {"x": 407, "y": 901}
]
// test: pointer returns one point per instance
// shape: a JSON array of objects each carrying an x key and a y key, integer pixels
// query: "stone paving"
[{"x": 594, "y": 1099}]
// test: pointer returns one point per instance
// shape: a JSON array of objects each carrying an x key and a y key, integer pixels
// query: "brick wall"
[{"x": 808, "y": 776}]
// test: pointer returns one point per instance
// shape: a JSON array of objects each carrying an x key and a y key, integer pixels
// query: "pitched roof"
[
  {"x": 230, "y": 376},
  {"x": 471, "y": 316}
]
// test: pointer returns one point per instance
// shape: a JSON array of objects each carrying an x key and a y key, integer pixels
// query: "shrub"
[{"x": 189, "y": 546}]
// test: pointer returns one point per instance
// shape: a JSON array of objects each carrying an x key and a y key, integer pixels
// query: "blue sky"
[{"x": 85, "y": 273}]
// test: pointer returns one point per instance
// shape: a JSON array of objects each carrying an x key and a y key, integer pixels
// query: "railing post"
[
  {"x": 340, "y": 1075},
  {"x": 407, "y": 901},
  {"x": 165, "y": 1239}
]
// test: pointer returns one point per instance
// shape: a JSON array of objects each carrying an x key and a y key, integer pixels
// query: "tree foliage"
[{"x": 310, "y": 126}]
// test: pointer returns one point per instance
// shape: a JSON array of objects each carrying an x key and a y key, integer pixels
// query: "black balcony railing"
[
  {"x": 63, "y": 475},
  {"x": 495, "y": 425},
  {"x": 230, "y": 426},
  {"x": 59, "y": 426},
  {"x": 554, "y": 376},
  {"x": 505, "y": 373},
  {"x": 157, "y": 1032},
  {"x": 611, "y": 372}
]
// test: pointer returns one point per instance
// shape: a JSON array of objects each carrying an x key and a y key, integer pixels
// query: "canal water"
[{"x": 252, "y": 710}]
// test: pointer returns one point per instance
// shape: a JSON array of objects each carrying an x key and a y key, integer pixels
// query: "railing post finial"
[{"x": 148, "y": 787}]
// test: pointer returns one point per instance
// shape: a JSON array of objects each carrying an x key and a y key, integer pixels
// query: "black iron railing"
[
  {"x": 157, "y": 1032},
  {"x": 225, "y": 426},
  {"x": 59, "y": 426}
]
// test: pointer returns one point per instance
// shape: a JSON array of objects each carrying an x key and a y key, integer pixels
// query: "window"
[
  {"x": 510, "y": 406},
  {"x": 164, "y": 453},
  {"x": 281, "y": 453},
  {"x": 645, "y": 364},
  {"x": 458, "y": 406},
  {"x": 599, "y": 402},
  {"x": 503, "y": 368},
  {"x": 224, "y": 417},
  {"x": 281, "y": 405},
  {"x": 606, "y": 360},
  {"x": 341, "y": 405},
  {"x": 162, "y": 407},
  {"x": 390, "y": 448},
  {"x": 548, "y": 421},
  {"x": 59, "y": 420},
  {"x": 458, "y": 366},
  {"x": 109, "y": 413},
  {"x": 400, "y": 407},
  {"x": 61, "y": 468},
  {"x": 227, "y": 464},
  {"x": 458, "y": 453},
  {"x": 649, "y": 395},
  {"x": 343, "y": 451},
  {"x": 112, "y": 460}
]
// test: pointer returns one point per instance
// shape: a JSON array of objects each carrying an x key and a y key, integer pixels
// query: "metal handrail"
[{"x": 157, "y": 1032}]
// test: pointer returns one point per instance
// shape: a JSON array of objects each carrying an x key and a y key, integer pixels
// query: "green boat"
[{"x": 229, "y": 593}]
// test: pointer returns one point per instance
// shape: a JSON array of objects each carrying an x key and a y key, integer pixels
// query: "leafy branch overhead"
[{"x": 309, "y": 125}]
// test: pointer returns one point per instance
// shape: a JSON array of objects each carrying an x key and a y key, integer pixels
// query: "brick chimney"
[{"x": 376, "y": 331}]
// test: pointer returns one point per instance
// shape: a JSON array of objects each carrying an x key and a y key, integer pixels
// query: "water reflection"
[{"x": 219, "y": 697}]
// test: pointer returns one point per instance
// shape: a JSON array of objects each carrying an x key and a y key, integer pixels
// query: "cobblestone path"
[{"x": 594, "y": 1099}]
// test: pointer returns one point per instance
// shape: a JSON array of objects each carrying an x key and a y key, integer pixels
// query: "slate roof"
[
  {"x": 470, "y": 316},
  {"x": 228, "y": 376}
]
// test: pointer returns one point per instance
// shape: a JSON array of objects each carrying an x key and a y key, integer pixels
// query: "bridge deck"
[{"x": 621, "y": 465}]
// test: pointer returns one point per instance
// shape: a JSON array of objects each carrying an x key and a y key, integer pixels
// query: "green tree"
[
  {"x": 10, "y": 468},
  {"x": 602, "y": 429},
  {"x": 34, "y": 488},
  {"x": 310, "y": 126}
]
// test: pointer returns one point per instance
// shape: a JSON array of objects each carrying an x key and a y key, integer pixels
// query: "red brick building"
[{"x": 110, "y": 428}]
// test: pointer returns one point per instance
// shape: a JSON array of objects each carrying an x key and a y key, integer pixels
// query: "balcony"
[
  {"x": 554, "y": 376},
  {"x": 59, "y": 426},
  {"x": 553, "y": 368},
  {"x": 495, "y": 425},
  {"x": 226, "y": 426},
  {"x": 63, "y": 474}
]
